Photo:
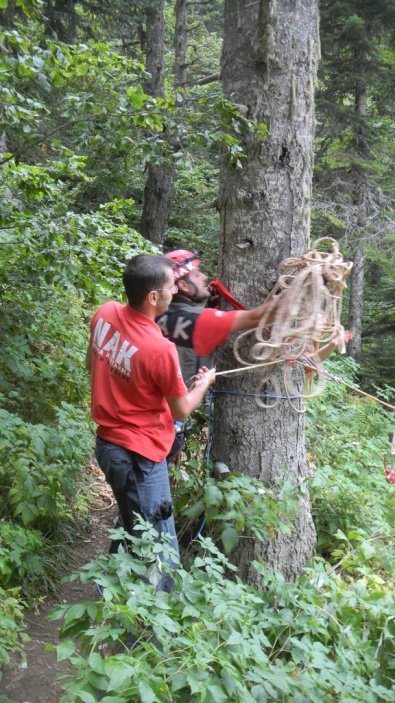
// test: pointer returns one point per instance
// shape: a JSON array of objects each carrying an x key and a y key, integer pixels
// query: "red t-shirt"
[
  {"x": 212, "y": 329},
  {"x": 134, "y": 370}
]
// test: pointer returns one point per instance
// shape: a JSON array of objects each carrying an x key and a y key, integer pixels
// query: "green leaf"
[
  {"x": 178, "y": 681},
  {"x": 230, "y": 538},
  {"x": 195, "y": 510},
  {"x": 137, "y": 97},
  {"x": 146, "y": 692},
  {"x": 235, "y": 638},
  {"x": 65, "y": 650},
  {"x": 218, "y": 694},
  {"x": 75, "y": 612},
  {"x": 194, "y": 684},
  {"x": 96, "y": 663},
  {"x": 87, "y": 697},
  {"x": 213, "y": 495}
]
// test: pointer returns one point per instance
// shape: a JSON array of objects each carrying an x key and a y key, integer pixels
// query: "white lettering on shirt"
[
  {"x": 100, "y": 331},
  {"x": 125, "y": 354},
  {"x": 179, "y": 328},
  {"x": 112, "y": 346},
  {"x": 119, "y": 352}
]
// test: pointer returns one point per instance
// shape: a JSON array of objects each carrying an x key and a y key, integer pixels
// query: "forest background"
[{"x": 83, "y": 129}]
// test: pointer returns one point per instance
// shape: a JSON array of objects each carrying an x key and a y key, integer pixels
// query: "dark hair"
[{"x": 142, "y": 274}]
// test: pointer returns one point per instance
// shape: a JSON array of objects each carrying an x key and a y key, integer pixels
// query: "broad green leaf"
[
  {"x": 146, "y": 692},
  {"x": 213, "y": 495},
  {"x": 230, "y": 538},
  {"x": 65, "y": 650},
  {"x": 236, "y": 638}
]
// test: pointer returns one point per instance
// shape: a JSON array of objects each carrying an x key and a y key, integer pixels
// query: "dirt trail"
[{"x": 32, "y": 678}]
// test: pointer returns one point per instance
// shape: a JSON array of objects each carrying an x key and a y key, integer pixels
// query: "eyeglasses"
[{"x": 173, "y": 289}]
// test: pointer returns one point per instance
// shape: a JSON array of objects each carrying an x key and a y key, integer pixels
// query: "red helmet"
[{"x": 183, "y": 262}]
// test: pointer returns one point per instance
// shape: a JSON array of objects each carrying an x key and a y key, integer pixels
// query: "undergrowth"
[
  {"x": 215, "y": 639},
  {"x": 329, "y": 636}
]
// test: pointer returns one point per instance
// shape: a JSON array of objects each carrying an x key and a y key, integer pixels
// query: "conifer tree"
[{"x": 356, "y": 81}]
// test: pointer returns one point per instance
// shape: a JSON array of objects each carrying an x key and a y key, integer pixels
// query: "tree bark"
[
  {"x": 180, "y": 44},
  {"x": 269, "y": 66},
  {"x": 61, "y": 19},
  {"x": 158, "y": 191},
  {"x": 159, "y": 188},
  {"x": 356, "y": 305}
]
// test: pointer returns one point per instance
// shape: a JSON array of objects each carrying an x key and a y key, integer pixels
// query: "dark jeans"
[{"x": 139, "y": 486}]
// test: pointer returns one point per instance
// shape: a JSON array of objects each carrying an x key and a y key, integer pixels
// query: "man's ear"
[
  {"x": 153, "y": 297},
  {"x": 183, "y": 285}
]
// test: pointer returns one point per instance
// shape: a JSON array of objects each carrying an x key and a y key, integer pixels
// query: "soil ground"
[{"x": 33, "y": 677}]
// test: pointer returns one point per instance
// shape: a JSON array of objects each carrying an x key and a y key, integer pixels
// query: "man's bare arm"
[
  {"x": 244, "y": 319},
  {"x": 88, "y": 359},
  {"x": 182, "y": 407}
]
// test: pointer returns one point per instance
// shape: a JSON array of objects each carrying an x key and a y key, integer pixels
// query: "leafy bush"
[
  {"x": 11, "y": 623},
  {"x": 39, "y": 464},
  {"x": 41, "y": 508},
  {"x": 350, "y": 496},
  {"x": 20, "y": 554},
  {"x": 237, "y": 506},
  {"x": 217, "y": 639}
]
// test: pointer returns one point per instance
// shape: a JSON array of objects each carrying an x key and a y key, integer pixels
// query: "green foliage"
[
  {"x": 20, "y": 551},
  {"x": 39, "y": 464},
  {"x": 237, "y": 506},
  {"x": 352, "y": 504},
  {"x": 11, "y": 623},
  {"x": 216, "y": 639},
  {"x": 354, "y": 187},
  {"x": 41, "y": 509},
  {"x": 330, "y": 635}
]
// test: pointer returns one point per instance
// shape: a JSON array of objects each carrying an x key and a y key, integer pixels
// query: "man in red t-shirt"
[
  {"x": 197, "y": 331},
  {"x": 137, "y": 392}
]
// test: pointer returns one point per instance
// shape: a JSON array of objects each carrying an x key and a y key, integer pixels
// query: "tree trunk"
[
  {"x": 269, "y": 66},
  {"x": 158, "y": 191},
  {"x": 158, "y": 198},
  {"x": 360, "y": 199},
  {"x": 180, "y": 44},
  {"x": 159, "y": 188},
  {"x": 61, "y": 19},
  {"x": 356, "y": 305}
]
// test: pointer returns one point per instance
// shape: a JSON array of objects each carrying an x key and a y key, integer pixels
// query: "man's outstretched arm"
[{"x": 244, "y": 319}]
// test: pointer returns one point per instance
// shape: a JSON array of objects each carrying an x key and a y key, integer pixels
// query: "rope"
[
  {"x": 317, "y": 368},
  {"x": 305, "y": 308},
  {"x": 331, "y": 377}
]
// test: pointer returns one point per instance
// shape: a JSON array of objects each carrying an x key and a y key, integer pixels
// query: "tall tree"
[
  {"x": 354, "y": 108},
  {"x": 158, "y": 192},
  {"x": 269, "y": 69}
]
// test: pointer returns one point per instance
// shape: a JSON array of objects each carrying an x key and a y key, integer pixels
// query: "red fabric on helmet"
[{"x": 183, "y": 262}]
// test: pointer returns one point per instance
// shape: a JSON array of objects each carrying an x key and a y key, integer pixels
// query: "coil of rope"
[{"x": 305, "y": 312}]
